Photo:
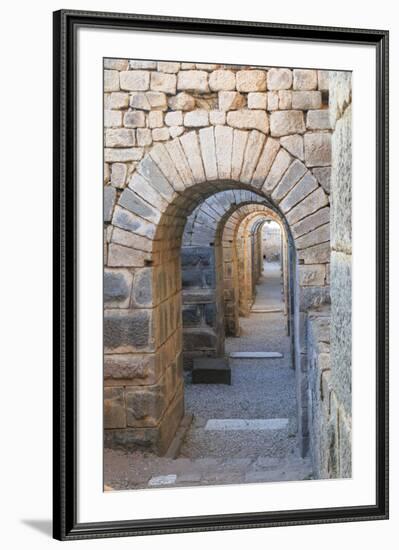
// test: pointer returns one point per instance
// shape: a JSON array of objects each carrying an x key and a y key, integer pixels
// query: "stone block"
[
  {"x": 135, "y": 204},
  {"x": 196, "y": 118},
  {"x": 317, "y": 236},
  {"x": 143, "y": 137},
  {"x": 155, "y": 119},
  {"x": 142, "y": 64},
  {"x": 317, "y": 149},
  {"x": 199, "y": 339},
  {"x": 222, "y": 80},
  {"x": 252, "y": 152},
  {"x": 318, "y": 254},
  {"x": 122, "y": 256},
  {"x": 272, "y": 101},
  {"x": 224, "y": 146},
  {"x": 109, "y": 202},
  {"x": 318, "y": 120},
  {"x": 257, "y": 100},
  {"x": 313, "y": 221},
  {"x": 160, "y": 134},
  {"x": 279, "y": 79},
  {"x": 284, "y": 99},
  {"x": 115, "y": 154},
  {"x": 340, "y": 94},
  {"x": 294, "y": 145},
  {"x": 189, "y": 142},
  {"x": 126, "y": 220},
  {"x": 247, "y": 119},
  {"x": 176, "y": 131},
  {"x": 145, "y": 405},
  {"x": 132, "y": 368},
  {"x": 312, "y": 275},
  {"x": 174, "y": 118},
  {"x": 306, "y": 100},
  {"x": 157, "y": 100},
  {"x": 140, "y": 186},
  {"x": 114, "y": 408},
  {"x": 134, "y": 119},
  {"x": 111, "y": 81},
  {"x": 163, "y": 82},
  {"x": 116, "y": 64},
  {"x": 120, "y": 137},
  {"x": 316, "y": 200},
  {"x": 239, "y": 143},
  {"x": 323, "y": 78},
  {"x": 279, "y": 166},
  {"x": 305, "y": 79},
  {"x": 301, "y": 190},
  {"x": 265, "y": 162},
  {"x": 294, "y": 173},
  {"x": 135, "y": 81},
  {"x": 127, "y": 331},
  {"x": 230, "y": 101},
  {"x": 182, "y": 102},
  {"x": 252, "y": 80},
  {"x": 193, "y": 81},
  {"x": 217, "y": 117},
  {"x": 211, "y": 370},
  {"x": 323, "y": 176},
  {"x": 208, "y": 150},
  {"x": 313, "y": 297},
  {"x": 283, "y": 123},
  {"x": 117, "y": 288},
  {"x": 112, "y": 119},
  {"x": 168, "y": 67},
  {"x": 119, "y": 100}
]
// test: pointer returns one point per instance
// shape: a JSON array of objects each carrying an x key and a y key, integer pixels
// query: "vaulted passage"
[{"x": 217, "y": 244}]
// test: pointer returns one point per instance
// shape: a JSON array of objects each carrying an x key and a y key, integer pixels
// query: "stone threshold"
[{"x": 255, "y": 355}]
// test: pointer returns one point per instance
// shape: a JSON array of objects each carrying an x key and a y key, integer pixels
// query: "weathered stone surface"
[
  {"x": 122, "y": 256},
  {"x": 126, "y": 220},
  {"x": 239, "y": 143},
  {"x": 134, "y": 80},
  {"x": 142, "y": 288},
  {"x": 174, "y": 118},
  {"x": 314, "y": 297},
  {"x": 155, "y": 119},
  {"x": 143, "y": 137},
  {"x": 248, "y": 119},
  {"x": 163, "y": 82},
  {"x": 253, "y": 150},
  {"x": 222, "y": 80},
  {"x": 318, "y": 120},
  {"x": 279, "y": 166},
  {"x": 115, "y": 154},
  {"x": 316, "y": 200},
  {"x": 114, "y": 408},
  {"x": 134, "y": 119},
  {"x": 318, "y": 254},
  {"x": 284, "y": 99},
  {"x": 135, "y": 204},
  {"x": 142, "y": 64},
  {"x": 160, "y": 155},
  {"x": 279, "y": 79},
  {"x": 127, "y": 331},
  {"x": 217, "y": 117},
  {"x": 193, "y": 81},
  {"x": 111, "y": 81},
  {"x": 224, "y": 147},
  {"x": 257, "y": 100},
  {"x": 112, "y": 119},
  {"x": 265, "y": 162},
  {"x": 191, "y": 149},
  {"x": 119, "y": 138},
  {"x": 181, "y": 102},
  {"x": 230, "y": 101},
  {"x": 294, "y": 173},
  {"x": 148, "y": 101},
  {"x": 109, "y": 202},
  {"x": 313, "y": 221},
  {"x": 116, "y": 64},
  {"x": 196, "y": 119},
  {"x": 160, "y": 134},
  {"x": 317, "y": 236},
  {"x": 294, "y": 145},
  {"x": 301, "y": 190},
  {"x": 306, "y": 100},
  {"x": 118, "y": 174},
  {"x": 141, "y": 187},
  {"x": 323, "y": 80},
  {"x": 145, "y": 406},
  {"x": 340, "y": 94},
  {"x": 168, "y": 67},
  {"x": 252, "y": 80},
  {"x": 323, "y": 176},
  {"x": 272, "y": 101},
  {"x": 119, "y": 100},
  {"x": 176, "y": 131},
  {"x": 317, "y": 149},
  {"x": 135, "y": 369},
  {"x": 176, "y": 153},
  {"x": 208, "y": 150},
  {"x": 117, "y": 288},
  {"x": 312, "y": 275},
  {"x": 131, "y": 240},
  {"x": 151, "y": 172},
  {"x": 305, "y": 79},
  {"x": 341, "y": 185},
  {"x": 283, "y": 123}
]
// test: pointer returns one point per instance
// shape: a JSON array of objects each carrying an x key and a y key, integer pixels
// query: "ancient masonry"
[{"x": 197, "y": 158}]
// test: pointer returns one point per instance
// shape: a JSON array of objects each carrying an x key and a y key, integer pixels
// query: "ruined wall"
[{"x": 331, "y": 363}]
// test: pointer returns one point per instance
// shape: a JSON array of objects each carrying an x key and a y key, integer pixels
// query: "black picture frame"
[{"x": 66, "y": 23}]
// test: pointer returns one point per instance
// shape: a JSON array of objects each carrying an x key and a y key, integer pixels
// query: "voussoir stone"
[
  {"x": 194, "y": 81},
  {"x": 134, "y": 80},
  {"x": 252, "y": 80},
  {"x": 305, "y": 79},
  {"x": 294, "y": 145},
  {"x": 248, "y": 119},
  {"x": 279, "y": 79},
  {"x": 278, "y": 168},
  {"x": 302, "y": 189},
  {"x": 323, "y": 175},
  {"x": 294, "y": 173},
  {"x": 222, "y": 80},
  {"x": 316, "y": 200},
  {"x": 283, "y": 123},
  {"x": 109, "y": 202}
]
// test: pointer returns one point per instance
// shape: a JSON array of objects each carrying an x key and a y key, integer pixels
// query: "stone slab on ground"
[
  {"x": 211, "y": 370},
  {"x": 246, "y": 424},
  {"x": 255, "y": 355}
]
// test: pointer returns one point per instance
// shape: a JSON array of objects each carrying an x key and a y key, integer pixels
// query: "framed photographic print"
[{"x": 220, "y": 307}]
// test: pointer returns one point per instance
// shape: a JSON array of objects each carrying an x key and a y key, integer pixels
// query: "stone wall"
[
  {"x": 176, "y": 134},
  {"x": 330, "y": 364},
  {"x": 271, "y": 238}
]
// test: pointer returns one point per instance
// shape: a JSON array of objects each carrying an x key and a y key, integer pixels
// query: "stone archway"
[{"x": 142, "y": 321}]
